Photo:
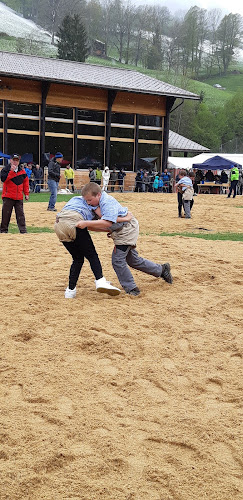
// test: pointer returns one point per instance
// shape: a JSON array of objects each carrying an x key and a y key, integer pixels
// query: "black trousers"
[
  {"x": 7, "y": 208},
  {"x": 82, "y": 247},
  {"x": 233, "y": 187}
]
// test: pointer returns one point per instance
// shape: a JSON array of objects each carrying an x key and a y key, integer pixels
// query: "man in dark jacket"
[
  {"x": 53, "y": 179},
  {"x": 15, "y": 183}
]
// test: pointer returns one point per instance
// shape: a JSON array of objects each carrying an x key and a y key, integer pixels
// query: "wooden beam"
[{"x": 111, "y": 98}]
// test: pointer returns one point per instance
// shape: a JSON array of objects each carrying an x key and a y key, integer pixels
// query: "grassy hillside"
[{"x": 213, "y": 97}]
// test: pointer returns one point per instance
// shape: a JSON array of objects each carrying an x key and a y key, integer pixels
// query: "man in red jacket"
[{"x": 15, "y": 183}]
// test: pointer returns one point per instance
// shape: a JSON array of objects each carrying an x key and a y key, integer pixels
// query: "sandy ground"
[{"x": 127, "y": 398}]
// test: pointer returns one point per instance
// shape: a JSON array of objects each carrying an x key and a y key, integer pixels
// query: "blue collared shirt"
[
  {"x": 79, "y": 204},
  {"x": 110, "y": 208},
  {"x": 185, "y": 180}
]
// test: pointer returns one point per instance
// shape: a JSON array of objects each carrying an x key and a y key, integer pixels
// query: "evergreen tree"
[{"x": 72, "y": 43}]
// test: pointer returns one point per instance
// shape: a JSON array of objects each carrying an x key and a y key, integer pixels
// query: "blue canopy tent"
[{"x": 216, "y": 163}]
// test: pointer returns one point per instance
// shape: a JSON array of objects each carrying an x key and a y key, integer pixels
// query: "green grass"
[
  {"x": 44, "y": 197},
  {"x": 13, "y": 229},
  {"x": 209, "y": 236}
]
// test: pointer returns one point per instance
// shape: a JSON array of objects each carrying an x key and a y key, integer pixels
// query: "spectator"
[
  {"x": 209, "y": 177},
  {"x": 106, "y": 178},
  {"x": 166, "y": 181},
  {"x": 234, "y": 178},
  {"x": 98, "y": 176},
  {"x": 240, "y": 183},
  {"x": 156, "y": 184},
  {"x": 161, "y": 184},
  {"x": 15, "y": 183},
  {"x": 113, "y": 179},
  {"x": 29, "y": 172},
  {"x": 38, "y": 175},
  {"x": 197, "y": 180},
  {"x": 121, "y": 175},
  {"x": 69, "y": 176},
  {"x": 53, "y": 179},
  {"x": 224, "y": 177},
  {"x": 138, "y": 182},
  {"x": 92, "y": 175}
]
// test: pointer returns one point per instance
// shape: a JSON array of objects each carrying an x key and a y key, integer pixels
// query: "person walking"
[
  {"x": 234, "y": 178},
  {"x": 15, "y": 184},
  {"x": 53, "y": 179}
]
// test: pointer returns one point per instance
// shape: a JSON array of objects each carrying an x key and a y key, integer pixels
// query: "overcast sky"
[{"x": 234, "y": 6}]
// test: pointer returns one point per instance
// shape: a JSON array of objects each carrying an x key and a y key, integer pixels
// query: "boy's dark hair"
[
  {"x": 91, "y": 188},
  {"x": 191, "y": 174},
  {"x": 183, "y": 172}
]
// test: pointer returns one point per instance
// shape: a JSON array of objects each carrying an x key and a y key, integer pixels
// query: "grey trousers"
[
  {"x": 187, "y": 208},
  {"x": 124, "y": 256}
]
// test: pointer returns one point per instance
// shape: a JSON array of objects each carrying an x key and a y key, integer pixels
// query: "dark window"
[
  {"x": 122, "y": 118},
  {"x": 17, "y": 108},
  {"x": 150, "y": 121},
  {"x": 91, "y": 130},
  {"x": 122, "y": 132},
  {"x": 150, "y": 151},
  {"x": 56, "y": 112},
  {"x": 1, "y": 142},
  {"x": 150, "y": 135},
  {"x": 94, "y": 116},
  {"x": 1, "y": 106},
  {"x": 121, "y": 155},
  {"x": 90, "y": 152},
  {"x": 1, "y": 124},
  {"x": 59, "y": 127},
  {"x": 22, "y": 124},
  {"x": 63, "y": 144},
  {"x": 24, "y": 144}
]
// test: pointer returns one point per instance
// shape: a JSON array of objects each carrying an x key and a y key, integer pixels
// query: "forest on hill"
[{"x": 193, "y": 49}]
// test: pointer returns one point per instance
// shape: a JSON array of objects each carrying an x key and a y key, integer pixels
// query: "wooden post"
[
  {"x": 111, "y": 98},
  {"x": 165, "y": 152},
  {"x": 44, "y": 91}
]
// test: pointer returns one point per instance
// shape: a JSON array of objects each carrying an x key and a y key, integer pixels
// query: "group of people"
[
  {"x": 35, "y": 175},
  {"x": 108, "y": 178},
  {"x": 150, "y": 181}
]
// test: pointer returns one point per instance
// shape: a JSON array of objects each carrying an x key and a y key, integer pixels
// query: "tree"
[
  {"x": 229, "y": 37},
  {"x": 72, "y": 43}
]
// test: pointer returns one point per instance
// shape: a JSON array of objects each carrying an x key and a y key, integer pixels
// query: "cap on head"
[
  {"x": 58, "y": 155},
  {"x": 15, "y": 157}
]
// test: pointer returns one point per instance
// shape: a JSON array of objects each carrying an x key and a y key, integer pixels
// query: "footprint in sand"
[
  {"x": 183, "y": 345},
  {"x": 65, "y": 407}
]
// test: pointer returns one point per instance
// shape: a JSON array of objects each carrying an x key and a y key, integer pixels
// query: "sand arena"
[{"x": 124, "y": 398}]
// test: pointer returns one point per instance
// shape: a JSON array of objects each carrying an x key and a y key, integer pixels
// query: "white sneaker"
[
  {"x": 104, "y": 286},
  {"x": 70, "y": 294}
]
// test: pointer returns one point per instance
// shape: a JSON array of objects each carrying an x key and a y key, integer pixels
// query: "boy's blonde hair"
[{"x": 91, "y": 188}]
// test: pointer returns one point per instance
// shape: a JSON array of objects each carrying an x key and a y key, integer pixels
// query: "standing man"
[
  {"x": 234, "y": 178},
  {"x": 98, "y": 175},
  {"x": 15, "y": 183},
  {"x": 113, "y": 179},
  {"x": 92, "y": 175},
  {"x": 69, "y": 176},
  {"x": 53, "y": 179}
]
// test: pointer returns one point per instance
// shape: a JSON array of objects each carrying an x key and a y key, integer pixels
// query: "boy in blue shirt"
[{"x": 125, "y": 239}]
